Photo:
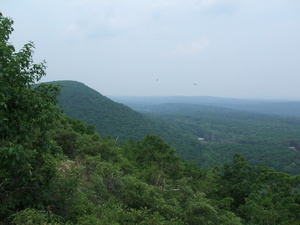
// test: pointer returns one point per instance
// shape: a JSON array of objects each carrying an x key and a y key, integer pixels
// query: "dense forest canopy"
[{"x": 56, "y": 170}]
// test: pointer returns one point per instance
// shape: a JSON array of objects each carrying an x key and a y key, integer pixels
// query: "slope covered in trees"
[
  {"x": 56, "y": 170},
  {"x": 110, "y": 118},
  {"x": 119, "y": 121}
]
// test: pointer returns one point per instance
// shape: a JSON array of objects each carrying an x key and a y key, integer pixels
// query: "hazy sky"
[{"x": 229, "y": 48}]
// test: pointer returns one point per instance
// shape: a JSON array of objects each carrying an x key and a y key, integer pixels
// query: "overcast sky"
[{"x": 228, "y": 48}]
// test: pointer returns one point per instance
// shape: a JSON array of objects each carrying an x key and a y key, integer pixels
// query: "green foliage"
[
  {"x": 151, "y": 150},
  {"x": 35, "y": 217},
  {"x": 27, "y": 156},
  {"x": 260, "y": 195},
  {"x": 157, "y": 187}
]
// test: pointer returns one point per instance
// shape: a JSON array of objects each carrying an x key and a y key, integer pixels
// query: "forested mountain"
[
  {"x": 110, "y": 118},
  {"x": 56, "y": 170},
  {"x": 121, "y": 122}
]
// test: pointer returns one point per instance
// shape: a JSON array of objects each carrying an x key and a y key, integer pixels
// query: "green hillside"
[
  {"x": 110, "y": 118},
  {"x": 121, "y": 122}
]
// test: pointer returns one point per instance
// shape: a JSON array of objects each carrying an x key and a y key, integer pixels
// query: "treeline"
[{"x": 56, "y": 170}]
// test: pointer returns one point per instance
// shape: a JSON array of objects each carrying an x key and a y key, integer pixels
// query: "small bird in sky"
[{"x": 195, "y": 84}]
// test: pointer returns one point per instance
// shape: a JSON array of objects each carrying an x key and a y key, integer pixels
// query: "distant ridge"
[{"x": 274, "y": 107}]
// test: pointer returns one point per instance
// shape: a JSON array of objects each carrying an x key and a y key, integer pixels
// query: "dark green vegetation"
[{"x": 56, "y": 170}]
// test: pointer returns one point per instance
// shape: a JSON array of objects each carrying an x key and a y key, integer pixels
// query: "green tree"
[
  {"x": 27, "y": 156},
  {"x": 259, "y": 195},
  {"x": 275, "y": 202},
  {"x": 237, "y": 181}
]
